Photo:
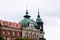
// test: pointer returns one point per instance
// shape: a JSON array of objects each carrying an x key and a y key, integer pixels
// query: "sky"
[{"x": 14, "y": 10}]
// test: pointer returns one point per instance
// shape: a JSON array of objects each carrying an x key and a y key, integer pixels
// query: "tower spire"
[
  {"x": 39, "y": 22},
  {"x": 38, "y": 17},
  {"x": 38, "y": 13}
]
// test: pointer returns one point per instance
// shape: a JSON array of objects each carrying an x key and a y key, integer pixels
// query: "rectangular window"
[
  {"x": 3, "y": 32},
  {"x": 24, "y": 34},
  {"x": 8, "y": 32},
  {"x": 29, "y": 35},
  {"x": 13, "y": 33},
  {"x": 33, "y": 35},
  {"x": 36, "y": 36},
  {"x": 8, "y": 38},
  {"x": 18, "y": 33}
]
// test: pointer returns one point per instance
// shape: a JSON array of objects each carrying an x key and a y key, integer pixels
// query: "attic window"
[
  {"x": 12, "y": 25},
  {"x": 18, "y": 26},
  {"x": 5, "y": 24}
]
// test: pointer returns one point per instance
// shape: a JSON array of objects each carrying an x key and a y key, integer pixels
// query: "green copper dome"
[
  {"x": 38, "y": 20},
  {"x": 25, "y": 22}
]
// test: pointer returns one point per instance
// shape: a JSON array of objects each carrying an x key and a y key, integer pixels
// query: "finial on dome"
[
  {"x": 27, "y": 16},
  {"x": 26, "y": 9}
]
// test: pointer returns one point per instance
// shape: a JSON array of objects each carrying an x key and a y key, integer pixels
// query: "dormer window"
[
  {"x": 12, "y": 25},
  {"x": 18, "y": 26},
  {"x": 5, "y": 24}
]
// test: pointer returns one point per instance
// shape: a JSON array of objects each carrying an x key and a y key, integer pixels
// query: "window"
[
  {"x": 41, "y": 35},
  {"x": 36, "y": 36},
  {"x": 33, "y": 35},
  {"x": 13, "y": 33},
  {"x": 8, "y": 38},
  {"x": 8, "y": 32},
  {"x": 18, "y": 33},
  {"x": 29, "y": 35},
  {"x": 40, "y": 27},
  {"x": 12, "y": 25},
  {"x": 18, "y": 26},
  {"x": 5, "y": 23},
  {"x": 24, "y": 34},
  {"x": 3, "y": 32}
]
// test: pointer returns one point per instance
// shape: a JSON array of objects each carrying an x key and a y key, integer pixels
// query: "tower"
[
  {"x": 40, "y": 25},
  {"x": 39, "y": 22}
]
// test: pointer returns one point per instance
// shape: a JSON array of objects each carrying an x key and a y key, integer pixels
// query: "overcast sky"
[{"x": 14, "y": 10}]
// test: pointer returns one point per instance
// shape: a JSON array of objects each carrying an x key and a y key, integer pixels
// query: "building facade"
[
  {"x": 10, "y": 30},
  {"x": 32, "y": 29},
  {"x": 26, "y": 28}
]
